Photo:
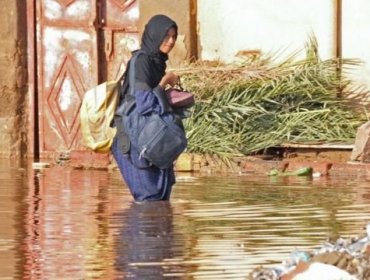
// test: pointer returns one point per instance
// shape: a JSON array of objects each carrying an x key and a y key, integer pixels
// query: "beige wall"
[
  {"x": 283, "y": 26},
  {"x": 13, "y": 79},
  {"x": 271, "y": 26},
  {"x": 356, "y": 37}
]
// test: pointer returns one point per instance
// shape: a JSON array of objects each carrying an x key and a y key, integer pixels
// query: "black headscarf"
[
  {"x": 150, "y": 66},
  {"x": 154, "y": 33}
]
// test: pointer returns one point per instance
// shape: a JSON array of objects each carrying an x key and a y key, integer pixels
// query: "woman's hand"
[{"x": 169, "y": 78}]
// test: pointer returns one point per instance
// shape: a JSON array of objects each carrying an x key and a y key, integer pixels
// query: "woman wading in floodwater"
[{"x": 145, "y": 181}]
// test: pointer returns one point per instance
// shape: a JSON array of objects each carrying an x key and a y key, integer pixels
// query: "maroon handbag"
[{"x": 178, "y": 97}]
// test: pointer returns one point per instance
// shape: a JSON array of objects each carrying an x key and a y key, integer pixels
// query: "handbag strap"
[{"x": 179, "y": 84}]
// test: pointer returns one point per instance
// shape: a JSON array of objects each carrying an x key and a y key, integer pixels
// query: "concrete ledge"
[
  {"x": 188, "y": 162},
  {"x": 357, "y": 170},
  {"x": 253, "y": 165}
]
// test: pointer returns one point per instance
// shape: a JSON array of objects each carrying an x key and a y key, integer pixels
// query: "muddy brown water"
[{"x": 62, "y": 223}]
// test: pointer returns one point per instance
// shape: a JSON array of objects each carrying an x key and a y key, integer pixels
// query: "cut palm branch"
[{"x": 246, "y": 108}]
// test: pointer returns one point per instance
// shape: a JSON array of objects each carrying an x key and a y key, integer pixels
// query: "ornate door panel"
[
  {"x": 77, "y": 48},
  {"x": 118, "y": 31},
  {"x": 67, "y": 66}
]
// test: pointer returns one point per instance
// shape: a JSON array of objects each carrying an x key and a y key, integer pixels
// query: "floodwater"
[{"x": 62, "y": 223}]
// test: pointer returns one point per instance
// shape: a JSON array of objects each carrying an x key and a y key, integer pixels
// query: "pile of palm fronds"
[{"x": 249, "y": 107}]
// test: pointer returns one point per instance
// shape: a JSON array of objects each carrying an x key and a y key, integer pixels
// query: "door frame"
[
  {"x": 33, "y": 141},
  {"x": 34, "y": 138}
]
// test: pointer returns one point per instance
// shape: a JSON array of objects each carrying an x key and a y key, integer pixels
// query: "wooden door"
[{"x": 80, "y": 43}]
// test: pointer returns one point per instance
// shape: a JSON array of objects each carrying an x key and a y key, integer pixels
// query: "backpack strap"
[
  {"x": 131, "y": 74},
  {"x": 123, "y": 140}
]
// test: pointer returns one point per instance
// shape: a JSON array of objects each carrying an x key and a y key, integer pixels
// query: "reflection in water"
[
  {"x": 244, "y": 222},
  {"x": 13, "y": 188},
  {"x": 61, "y": 223},
  {"x": 145, "y": 240},
  {"x": 66, "y": 225}
]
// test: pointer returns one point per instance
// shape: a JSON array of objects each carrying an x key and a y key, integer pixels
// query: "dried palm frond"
[{"x": 246, "y": 108}]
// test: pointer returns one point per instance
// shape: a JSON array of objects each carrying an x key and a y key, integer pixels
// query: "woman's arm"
[
  {"x": 150, "y": 85},
  {"x": 169, "y": 78}
]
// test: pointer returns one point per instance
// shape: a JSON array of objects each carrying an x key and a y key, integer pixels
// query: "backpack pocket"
[{"x": 160, "y": 142}]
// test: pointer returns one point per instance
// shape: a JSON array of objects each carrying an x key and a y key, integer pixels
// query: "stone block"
[
  {"x": 196, "y": 167},
  {"x": 184, "y": 162},
  {"x": 361, "y": 150},
  {"x": 357, "y": 170}
]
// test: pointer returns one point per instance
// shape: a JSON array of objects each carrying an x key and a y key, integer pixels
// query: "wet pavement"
[{"x": 63, "y": 223}]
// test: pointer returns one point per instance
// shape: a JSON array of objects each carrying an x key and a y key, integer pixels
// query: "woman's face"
[{"x": 169, "y": 41}]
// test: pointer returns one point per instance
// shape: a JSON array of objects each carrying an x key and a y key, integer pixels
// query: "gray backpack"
[{"x": 158, "y": 138}]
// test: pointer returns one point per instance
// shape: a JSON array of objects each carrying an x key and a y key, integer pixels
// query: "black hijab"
[
  {"x": 150, "y": 66},
  {"x": 155, "y": 31}
]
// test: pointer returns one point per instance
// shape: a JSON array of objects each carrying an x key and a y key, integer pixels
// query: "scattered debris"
[
  {"x": 304, "y": 171},
  {"x": 345, "y": 259}
]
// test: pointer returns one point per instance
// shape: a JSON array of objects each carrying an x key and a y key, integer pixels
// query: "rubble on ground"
[{"x": 342, "y": 259}]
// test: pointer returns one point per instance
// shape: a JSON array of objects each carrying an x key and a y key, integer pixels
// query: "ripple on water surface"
[{"x": 61, "y": 223}]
